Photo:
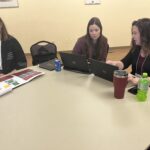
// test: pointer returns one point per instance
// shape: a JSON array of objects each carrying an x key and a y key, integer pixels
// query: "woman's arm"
[
  {"x": 1, "y": 74},
  {"x": 133, "y": 79},
  {"x": 119, "y": 64},
  {"x": 20, "y": 58}
]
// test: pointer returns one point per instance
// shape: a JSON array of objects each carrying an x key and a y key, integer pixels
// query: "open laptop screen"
[
  {"x": 74, "y": 62},
  {"x": 102, "y": 69}
]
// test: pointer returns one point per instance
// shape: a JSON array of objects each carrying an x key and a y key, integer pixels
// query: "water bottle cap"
[{"x": 145, "y": 74}]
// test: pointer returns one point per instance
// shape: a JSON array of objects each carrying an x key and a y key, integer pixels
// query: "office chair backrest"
[{"x": 43, "y": 51}]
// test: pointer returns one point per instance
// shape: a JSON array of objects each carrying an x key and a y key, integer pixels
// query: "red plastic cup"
[{"x": 120, "y": 80}]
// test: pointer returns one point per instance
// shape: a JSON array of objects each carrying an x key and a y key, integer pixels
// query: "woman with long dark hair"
[
  {"x": 139, "y": 54},
  {"x": 11, "y": 54},
  {"x": 93, "y": 44}
]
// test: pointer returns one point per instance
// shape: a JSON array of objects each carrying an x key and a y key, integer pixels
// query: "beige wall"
[{"x": 64, "y": 21}]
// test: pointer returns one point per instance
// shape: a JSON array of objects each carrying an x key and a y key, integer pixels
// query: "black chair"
[{"x": 43, "y": 51}]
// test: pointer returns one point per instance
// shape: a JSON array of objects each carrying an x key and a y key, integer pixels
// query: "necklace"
[{"x": 142, "y": 64}]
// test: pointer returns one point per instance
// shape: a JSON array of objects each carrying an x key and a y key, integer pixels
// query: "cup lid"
[{"x": 121, "y": 73}]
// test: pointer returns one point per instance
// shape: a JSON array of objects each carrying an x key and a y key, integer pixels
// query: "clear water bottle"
[{"x": 143, "y": 86}]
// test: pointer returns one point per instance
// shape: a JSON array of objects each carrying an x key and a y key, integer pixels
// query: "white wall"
[{"x": 64, "y": 21}]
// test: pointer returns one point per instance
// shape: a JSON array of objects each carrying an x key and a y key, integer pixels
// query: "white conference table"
[{"x": 72, "y": 111}]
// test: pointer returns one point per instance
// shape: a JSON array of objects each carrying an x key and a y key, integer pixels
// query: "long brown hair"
[
  {"x": 3, "y": 31},
  {"x": 100, "y": 41},
  {"x": 95, "y": 21},
  {"x": 143, "y": 26}
]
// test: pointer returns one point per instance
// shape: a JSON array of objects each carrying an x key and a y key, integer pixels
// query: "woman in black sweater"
[
  {"x": 11, "y": 54},
  {"x": 139, "y": 55}
]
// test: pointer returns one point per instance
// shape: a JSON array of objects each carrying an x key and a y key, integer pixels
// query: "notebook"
[
  {"x": 49, "y": 65},
  {"x": 102, "y": 69},
  {"x": 75, "y": 62}
]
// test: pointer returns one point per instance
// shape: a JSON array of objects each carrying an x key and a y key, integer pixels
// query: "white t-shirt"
[{"x": 1, "y": 55}]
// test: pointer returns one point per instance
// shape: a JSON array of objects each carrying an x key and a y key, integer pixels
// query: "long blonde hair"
[{"x": 3, "y": 31}]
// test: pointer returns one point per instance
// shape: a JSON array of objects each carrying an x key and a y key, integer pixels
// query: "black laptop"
[
  {"x": 49, "y": 65},
  {"x": 75, "y": 62},
  {"x": 102, "y": 69}
]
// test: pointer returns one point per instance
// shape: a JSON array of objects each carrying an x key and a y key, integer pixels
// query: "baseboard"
[
  {"x": 110, "y": 49},
  {"x": 28, "y": 54},
  {"x": 119, "y": 47}
]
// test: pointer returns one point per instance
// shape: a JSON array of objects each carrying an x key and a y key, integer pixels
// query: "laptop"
[
  {"x": 49, "y": 65},
  {"x": 103, "y": 70},
  {"x": 74, "y": 62}
]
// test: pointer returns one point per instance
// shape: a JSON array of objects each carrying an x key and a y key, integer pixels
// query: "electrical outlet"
[{"x": 92, "y": 2}]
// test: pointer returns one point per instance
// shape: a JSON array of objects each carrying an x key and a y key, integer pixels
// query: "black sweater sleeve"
[
  {"x": 131, "y": 59},
  {"x": 20, "y": 58},
  {"x": 127, "y": 60},
  {"x": 13, "y": 56}
]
